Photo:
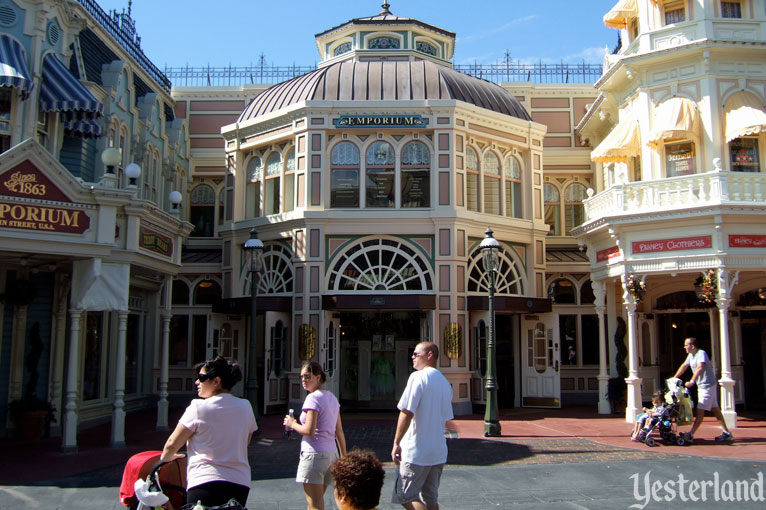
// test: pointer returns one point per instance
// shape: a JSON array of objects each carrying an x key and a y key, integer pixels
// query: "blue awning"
[
  {"x": 13, "y": 66},
  {"x": 86, "y": 128},
  {"x": 62, "y": 92}
]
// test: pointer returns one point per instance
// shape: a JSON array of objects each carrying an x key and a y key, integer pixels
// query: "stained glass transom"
[
  {"x": 512, "y": 169},
  {"x": 383, "y": 43},
  {"x": 575, "y": 192},
  {"x": 203, "y": 195},
  {"x": 551, "y": 193},
  {"x": 276, "y": 276},
  {"x": 380, "y": 153},
  {"x": 424, "y": 47},
  {"x": 345, "y": 153},
  {"x": 274, "y": 164},
  {"x": 342, "y": 48},
  {"x": 290, "y": 163},
  {"x": 380, "y": 264},
  {"x": 254, "y": 169},
  {"x": 471, "y": 159},
  {"x": 491, "y": 164},
  {"x": 508, "y": 280},
  {"x": 416, "y": 153}
]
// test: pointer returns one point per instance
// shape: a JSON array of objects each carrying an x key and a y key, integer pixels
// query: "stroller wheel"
[
  {"x": 641, "y": 435},
  {"x": 650, "y": 441},
  {"x": 680, "y": 441}
]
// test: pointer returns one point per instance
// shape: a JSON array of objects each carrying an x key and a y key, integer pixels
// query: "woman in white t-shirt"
[{"x": 216, "y": 429}]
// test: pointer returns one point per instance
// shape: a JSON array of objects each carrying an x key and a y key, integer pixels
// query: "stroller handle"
[{"x": 153, "y": 476}]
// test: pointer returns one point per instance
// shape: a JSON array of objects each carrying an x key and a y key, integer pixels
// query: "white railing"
[{"x": 678, "y": 193}]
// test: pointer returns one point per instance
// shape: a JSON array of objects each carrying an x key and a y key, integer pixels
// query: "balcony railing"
[
  {"x": 678, "y": 193},
  {"x": 210, "y": 76}
]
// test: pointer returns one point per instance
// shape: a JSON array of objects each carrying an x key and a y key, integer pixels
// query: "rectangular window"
[
  {"x": 552, "y": 218},
  {"x": 744, "y": 155},
  {"x": 731, "y": 10},
  {"x": 416, "y": 188},
  {"x": 472, "y": 191},
  {"x": 199, "y": 345},
  {"x": 675, "y": 12},
  {"x": 253, "y": 199},
  {"x": 271, "y": 196},
  {"x": 589, "y": 339},
  {"x": 344, "y": 188},
  {"x": 179, "y": 340},
  {"x": 92, "y": 377},
  {"x": 491, "y": 195},
  {"x": 574, "y": 214},
  {"x": 513, "y": 198},
  {"x": 289, "y": 192},
  {"x": 43, "y": 128},
  {"x": 568, "y": 336},
  {"x": 679, "y": 159},
  {"x": 379, "y": 188}
]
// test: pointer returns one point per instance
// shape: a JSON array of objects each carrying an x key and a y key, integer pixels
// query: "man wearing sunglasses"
[{"x": 420, "y": 448}]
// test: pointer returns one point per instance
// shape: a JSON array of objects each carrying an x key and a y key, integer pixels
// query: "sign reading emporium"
[
  {"x": 26, "y": 181},
  {"x": 675, "y": 244},
  {"x": 380, "y": 121}
]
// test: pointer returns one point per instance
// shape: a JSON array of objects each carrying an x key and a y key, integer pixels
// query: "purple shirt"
[{"x": 327, "y": 408}]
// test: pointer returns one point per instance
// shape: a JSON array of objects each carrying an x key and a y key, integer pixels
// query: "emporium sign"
[
  {"x": 156, "y": 242},
  {"x": 26, "y": 181},
  {"x": 674, "y": 244},
  {"x": 380, "y": 121}
]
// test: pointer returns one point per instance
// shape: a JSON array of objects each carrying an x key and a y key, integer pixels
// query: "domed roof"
[
  {"x": 385, "y": 17},
  {"x": 385, "y": 81}
]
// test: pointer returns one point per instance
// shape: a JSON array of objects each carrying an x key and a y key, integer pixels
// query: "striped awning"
[
  {"x": 85, "y": 127},
  {"x": 621, "y": 14},
  {"x": 622, "y": 143},
  {"x": 62, "y": 92},
  {"x": 744, "y": 116},
  {"x": 13, "y": 66},
  {"x": 675, "y": 118}
]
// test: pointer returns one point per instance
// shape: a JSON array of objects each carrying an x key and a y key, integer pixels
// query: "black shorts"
[{"x": 217, "y": 493}]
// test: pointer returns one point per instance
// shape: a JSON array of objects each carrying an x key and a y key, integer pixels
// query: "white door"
[
  {"x": 277, "y": 342},
  {"x": 224, "y": 338},
  {"x": 328, "y": 356},
  {"x": 541, "y": 385}
]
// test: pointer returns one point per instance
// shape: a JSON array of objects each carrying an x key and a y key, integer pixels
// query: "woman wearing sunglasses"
[
  {"x": 216, "y": 429},
  {"x": 320, "y": 426}
]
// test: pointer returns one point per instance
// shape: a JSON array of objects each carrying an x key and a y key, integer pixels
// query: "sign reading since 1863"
[
  {"x": 26, "y": 181},
  {"x": 380, "y": 121},
  {"x": 153, "y": 241}
]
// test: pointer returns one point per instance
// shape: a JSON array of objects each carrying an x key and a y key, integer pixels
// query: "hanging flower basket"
[
  {"x": 636, "y": 288},
  {"x": 706, "y": 287}
]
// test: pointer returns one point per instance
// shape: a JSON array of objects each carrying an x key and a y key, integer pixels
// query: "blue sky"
[{"x": 236, "y": 32}]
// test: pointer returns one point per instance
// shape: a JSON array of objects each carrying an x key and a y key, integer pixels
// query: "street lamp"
[
  {"x": 489, "y": 249},
  {"x": 254, "y": 256}
]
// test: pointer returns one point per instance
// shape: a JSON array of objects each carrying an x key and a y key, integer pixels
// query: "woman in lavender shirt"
[{"x": 320, "y": 426}]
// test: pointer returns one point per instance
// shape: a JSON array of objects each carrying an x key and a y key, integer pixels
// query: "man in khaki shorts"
[{"x": 420, "y": 448}]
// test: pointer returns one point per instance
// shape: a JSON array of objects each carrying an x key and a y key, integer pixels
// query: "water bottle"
[
  {"x": 198, "y": 506},
  {"x": 288, "y": 430}
]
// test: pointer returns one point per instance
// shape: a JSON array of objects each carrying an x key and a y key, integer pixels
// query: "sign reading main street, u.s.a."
[{"x": 380, "y": 121}]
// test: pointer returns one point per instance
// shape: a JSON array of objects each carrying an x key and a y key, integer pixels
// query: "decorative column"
[
  {"x": 58, "y": 348},
  {"x": 69, "y": 441},
  {"x": 162, "y": 390},
  {"x": 118, "y": 414},
  {"x": 631, "y": 298},
  {"x": 725, "y": 285},
  {"x": 603, "y": 368}
]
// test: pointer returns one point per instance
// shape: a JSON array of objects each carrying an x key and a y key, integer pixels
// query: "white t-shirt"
[
  {"x": 217, "y": 451},
  {"x": 428, "y": 396},
  {"x": 707, "y": 377}
]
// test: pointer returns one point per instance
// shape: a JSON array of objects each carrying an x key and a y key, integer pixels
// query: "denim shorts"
[{"x": 314, "y": 467}]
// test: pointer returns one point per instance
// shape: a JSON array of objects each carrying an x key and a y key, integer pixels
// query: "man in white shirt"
[{"x": 420, "y": 447}]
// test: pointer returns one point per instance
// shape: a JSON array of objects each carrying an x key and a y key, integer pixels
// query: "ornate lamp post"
[
  {"x": 254, "y": 256},
  {"x": 490, "y": 248}
]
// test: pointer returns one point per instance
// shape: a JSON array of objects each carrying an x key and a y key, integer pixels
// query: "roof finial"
[{"x": 385, "y": 10}]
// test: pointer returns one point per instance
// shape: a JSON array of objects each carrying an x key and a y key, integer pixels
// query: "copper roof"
[{"x": 385, "y": 81}]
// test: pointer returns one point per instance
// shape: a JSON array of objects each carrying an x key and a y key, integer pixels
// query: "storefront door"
[
  {"x": 225, "y": 339},
  {"x": 541, "y": 384}
]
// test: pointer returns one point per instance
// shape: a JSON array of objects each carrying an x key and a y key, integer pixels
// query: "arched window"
[
  {"x": 344, "y": 175},
  {"x": 384, "y": 43},
  {"x": 271, "y": 188},
  {"x": 180, "y": 293},
  {"x": 562, "y": 292},
  {"x": 147, "y": 173},
  {"x": 428, "y": 49},
  {"x": 587, "y": 297},
  {"x": 512, "y": 179},
  {"x": 471, "y": 179},
  {"x": 745, "y": 117},
  {"x": 254, "y": 178},
  {"x": 379, "y": 181},
  {"x": 552, "y": 209},
  {"x": 416, "y": 175},
  {"x": 574, "y": 210},
  {"x": 289, "y": 197},
  {"x": 341, "y": 49},
  {"x": 207, "y": 292},
  {"x": 491, "y": 167},
  {"x": 202, "y": 211},
  {"x": 156, "y": 176}
]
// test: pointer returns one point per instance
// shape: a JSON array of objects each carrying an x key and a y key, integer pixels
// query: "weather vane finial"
[{"x": 385, "y": 10}]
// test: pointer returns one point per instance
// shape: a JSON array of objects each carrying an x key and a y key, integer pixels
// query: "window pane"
[
  {"x": 552, "y": 218},
  {"x": 491, "y": 195},
  {"x": 345, "y": 153},
  {"x": 574, "y": 215},
  {"x": 568, "y": 335},
  {"x": 289, "y": 192},
  {"x": 679, "y": 159},
  {"x": 271, "y": 196},
  {"x": 344, "y": 188},
  {"x": 472, "y": 191},
  {"x": 589, "y": 339},
  {"x": 744, "y": 155},
  {"x": 179, "y": 340},
  {"x": 731, "y": 10},
  {"x": 674, "y": 15},
  {"x": 254, "y": 199},
  {"x": 274, "y": 164},
  {"x": 416, "y": 188},
  {"x": 380, "y": 187},
  {"x": 513, "y": 198},
  {"x": 91, "y": 383},
  {"x": 491, "y": 164},
  {"x": 471, "y": 159},
  {"x": 199, "y": 347}
]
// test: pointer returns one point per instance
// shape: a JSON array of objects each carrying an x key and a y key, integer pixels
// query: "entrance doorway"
[
  {"x": 376, "y": 356},
  {"x": 754, "y": 356},
  {"x": 506, "y": 371},
  {"x": 675, "y": 327}
]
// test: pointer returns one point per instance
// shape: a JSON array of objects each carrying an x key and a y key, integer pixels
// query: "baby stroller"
[
  {"x": 675, "y": 411},
  {"x": 149, "y": 483}
]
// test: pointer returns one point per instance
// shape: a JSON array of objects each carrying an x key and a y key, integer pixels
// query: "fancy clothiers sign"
[
  {"x": 156, "y": 242},
  {"x": 674, "y": 244},
  {"x": 380, "y": 121},
  {"x": 607, "y": 254},
  {"x": 747, "y": 241}
]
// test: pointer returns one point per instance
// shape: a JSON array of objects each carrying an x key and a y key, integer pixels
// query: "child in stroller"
[
  {"x": 658, "y": 400},
  {"x": 665, "y": 423}
]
